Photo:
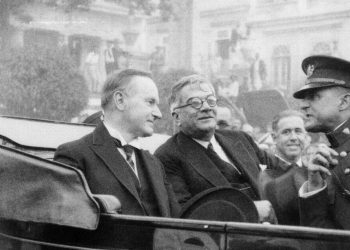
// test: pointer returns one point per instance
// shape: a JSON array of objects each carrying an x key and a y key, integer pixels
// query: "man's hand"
[
  {"x": 318, "y": 159},
  {"x": 266, "y": 212}
]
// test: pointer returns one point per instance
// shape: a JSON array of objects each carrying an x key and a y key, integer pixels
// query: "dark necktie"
[
  {"x": 214, "y": 155},
  {"x": 232, "y": 174},
  {"x": 129, "y": 150}
]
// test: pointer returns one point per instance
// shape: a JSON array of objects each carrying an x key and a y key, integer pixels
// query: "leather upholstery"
[{"x": 37, "y": 190}]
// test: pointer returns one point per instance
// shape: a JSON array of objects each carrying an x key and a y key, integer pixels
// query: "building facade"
[
  {"x": 258, "y": 43},
  {"x": 87, "y": 34},
  {"x": 264, "y": 41}
]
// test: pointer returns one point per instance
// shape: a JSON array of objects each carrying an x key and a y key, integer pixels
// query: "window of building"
[
  {"x": 223, "y": 44},
  {"x": 223, "y": 48},
  {"x": 281, "y": 61}
]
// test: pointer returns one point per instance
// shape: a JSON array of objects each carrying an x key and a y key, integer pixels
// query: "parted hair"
[
  {"x": 119, "y": 80},
  {"x": 283, "y": 114},
  {"x": 195, "y": 80}
]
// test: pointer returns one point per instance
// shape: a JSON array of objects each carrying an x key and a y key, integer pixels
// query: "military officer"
[{"x": 325, "y": 197}]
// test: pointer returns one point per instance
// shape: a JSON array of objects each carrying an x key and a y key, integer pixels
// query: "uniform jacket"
[
  {"x": 190, "y": 170},
  {"x": 106, "y": 172},
  {"x": 331, "y": 208}
]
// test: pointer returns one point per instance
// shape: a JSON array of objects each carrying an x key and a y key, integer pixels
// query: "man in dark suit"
[
  {"x": 110, "y": 157},
  {"x": 198, "y": 157},
  {"x": 280, "y": 186},
  {"x": 325, "y": 197}
]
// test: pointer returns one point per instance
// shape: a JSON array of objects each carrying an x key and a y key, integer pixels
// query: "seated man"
[
  {"x": 280, "y": 186},
  {"x": 200, "y": 157},
  {"x": 110, "y": 157}
]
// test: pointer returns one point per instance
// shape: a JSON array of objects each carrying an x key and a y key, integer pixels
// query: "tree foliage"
[
  {"x": 41, "y": 83},
  {"x": 164, "y": 82}
]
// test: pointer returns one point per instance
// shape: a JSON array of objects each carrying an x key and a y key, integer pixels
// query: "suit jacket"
[
  {"x": 331, "y": 208},
  {"x": 280, "y": 187},
  {"x": 191, "y": 171},
  {"x": 106, "y": 172}
]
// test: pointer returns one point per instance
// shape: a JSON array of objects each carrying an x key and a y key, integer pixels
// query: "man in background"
[
  {"x": 109, "y": 58},
  {"x": 228, "y": 115},
  {"x": 289, "y": 134},
  {"x": 280, "y": 186},
  {"x": 157, "y": 60},
  {"x": 92, "y": 69},
  {"x": 224, "y": 118}
]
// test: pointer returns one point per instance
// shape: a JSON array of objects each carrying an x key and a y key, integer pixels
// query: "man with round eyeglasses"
[
  {"x": 197, "y": 103},
  {"x": 199, "y": 157}
]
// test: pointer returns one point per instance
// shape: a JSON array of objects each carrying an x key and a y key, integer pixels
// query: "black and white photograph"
[{"x": 175, "y": 124}]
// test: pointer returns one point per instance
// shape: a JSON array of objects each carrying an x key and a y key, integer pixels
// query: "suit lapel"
[
  {"x": 156, "y": 179},
  {"x": 238, "y": 154},
  {"x": 199, "y": 160},
  {"x": 104, "y": 146}
]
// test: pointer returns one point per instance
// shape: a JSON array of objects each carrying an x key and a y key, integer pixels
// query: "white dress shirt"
[
  {"x": 218, "y": 149},
  {"x": 117, "y": 135}
]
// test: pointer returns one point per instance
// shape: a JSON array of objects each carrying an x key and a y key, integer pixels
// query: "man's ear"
[
  {"x": 345, "y": 102},
  {"x": 176, "y": 117},
  {"x": 119, "y": 100},
  {"x": 274, "y": 136}
]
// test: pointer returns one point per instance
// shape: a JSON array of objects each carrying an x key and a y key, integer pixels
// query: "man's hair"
[
  {"x": 284, "y": 114},
  {"x": 193, "y": 80},
  {"x": 119, "y": 80}
]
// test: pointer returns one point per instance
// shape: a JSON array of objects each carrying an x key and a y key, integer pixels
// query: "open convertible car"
[{"x": 48, "y": 205}]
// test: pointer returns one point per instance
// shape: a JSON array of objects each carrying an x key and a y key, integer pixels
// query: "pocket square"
[{"x": 262, "y": 167}]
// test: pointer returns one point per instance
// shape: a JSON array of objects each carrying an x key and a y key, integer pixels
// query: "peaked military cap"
[{"x": 322, "y": 72}]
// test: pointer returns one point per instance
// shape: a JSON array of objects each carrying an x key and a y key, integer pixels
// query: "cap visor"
[{"x": 300, "y": 94}]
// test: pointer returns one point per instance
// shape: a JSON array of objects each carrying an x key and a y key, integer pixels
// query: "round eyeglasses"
[{"x": 197, "y": 103}]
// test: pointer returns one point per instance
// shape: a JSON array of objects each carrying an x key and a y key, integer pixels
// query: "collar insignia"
[
  {"x": 346, "y": 131},
  {"x": 310, "y": 70}
]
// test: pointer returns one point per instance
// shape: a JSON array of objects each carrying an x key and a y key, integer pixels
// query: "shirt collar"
[
  {"x": 206, "y": 143},
  {"x": 299, "y": 162},
  {"x": 117, "y": 135}
]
